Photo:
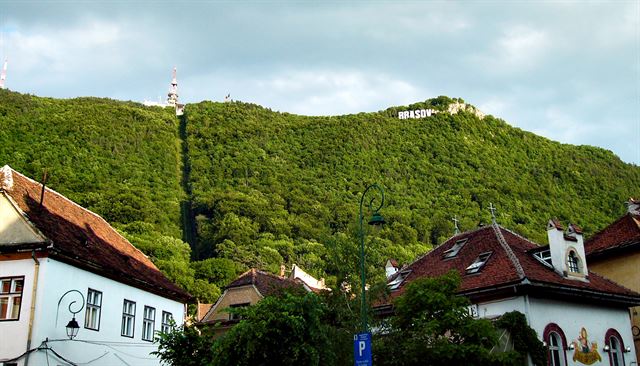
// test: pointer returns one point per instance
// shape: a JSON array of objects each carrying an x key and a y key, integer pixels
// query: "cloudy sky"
[{"x": 567, "y": 70}]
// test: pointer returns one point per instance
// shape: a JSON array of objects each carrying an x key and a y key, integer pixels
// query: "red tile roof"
[
  {"x": 83, "y": 239},
  {"x": 266, "y": 283},
  {"x": 511, "y": 264},
  {"x": 623, "y": 233}
]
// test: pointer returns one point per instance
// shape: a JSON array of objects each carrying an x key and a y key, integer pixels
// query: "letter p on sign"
[{"x": 362, "y": 349}]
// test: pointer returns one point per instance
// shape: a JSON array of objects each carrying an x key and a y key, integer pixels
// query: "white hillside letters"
[{"x": 417, "y": 113}]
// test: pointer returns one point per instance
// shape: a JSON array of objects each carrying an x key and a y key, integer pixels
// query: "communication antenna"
[{"x": 3, "y": 75}]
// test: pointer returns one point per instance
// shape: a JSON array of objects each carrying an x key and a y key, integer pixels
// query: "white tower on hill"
[
  {"x": 172, "y": 97},
  {"x": 3, "y": 75}
]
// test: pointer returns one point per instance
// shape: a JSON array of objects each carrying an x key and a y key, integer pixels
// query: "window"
[
  {"x": 616, "y": 348},
  {"x": 556, "y": 342},
  {"x": 234, "y": 316},
  {"x": 573, "y": 262},
  {"x": 148, "y": 323},
  {"x": 453, "y": 251},
  {"x": 544, "y": 257},
  {"x": 398, "y": 280},
  {"x": 128, "y": 318},
  {"x": 10, "y": 297},
  {"x": 166, "y": 322},
  {"x": 555, "y": 350},
  {"x": 477, "y": 265},
  {"x": 93, "y": 311}
]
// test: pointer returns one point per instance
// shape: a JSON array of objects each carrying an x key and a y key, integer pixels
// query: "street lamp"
[
  {"x": 376, "y": 220},
  {"x": 72, "y": 326}
]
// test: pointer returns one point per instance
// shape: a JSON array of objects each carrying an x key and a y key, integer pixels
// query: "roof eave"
[{"x": 122, "y": 278}]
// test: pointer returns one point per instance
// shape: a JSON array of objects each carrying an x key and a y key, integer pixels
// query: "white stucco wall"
[
  {"x": 570, "y": 317},
  {"x": 13, "y": 333},
  {"x": 105, "y": 346}
]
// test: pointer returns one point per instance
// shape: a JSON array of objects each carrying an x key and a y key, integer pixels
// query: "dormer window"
[
  {"x": 479, "y": 263},
  {"x": 396, "y": 282},
  {"x": 453, "y": 251},
  {"x": 573, "y": 262},
  {"x": 544, "y": 257}
]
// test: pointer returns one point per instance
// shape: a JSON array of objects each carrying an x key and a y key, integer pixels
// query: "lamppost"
[
  {"x": 376, "y": 220},
  {"x": 72, "y": 327}
]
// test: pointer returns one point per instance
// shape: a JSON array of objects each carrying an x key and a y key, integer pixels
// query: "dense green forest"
[
  {"x": 250, "y": 187},
  {"x": 272, "y": 187}
]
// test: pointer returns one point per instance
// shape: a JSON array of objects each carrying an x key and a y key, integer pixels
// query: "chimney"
[
  {"x": 633, "y": 206},
  {"x": 391, "y": 267},
  {"x": 567, "y": 250},
  {"x": 6, "y": 178}
]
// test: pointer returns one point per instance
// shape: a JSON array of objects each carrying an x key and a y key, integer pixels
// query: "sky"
[{"x": 566, "y": 70}]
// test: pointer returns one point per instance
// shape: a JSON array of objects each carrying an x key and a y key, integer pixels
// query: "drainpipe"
[{"x": 33, "y": 303}]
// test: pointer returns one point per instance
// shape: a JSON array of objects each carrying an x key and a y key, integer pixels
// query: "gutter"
[{"x": 33, "y": 304}]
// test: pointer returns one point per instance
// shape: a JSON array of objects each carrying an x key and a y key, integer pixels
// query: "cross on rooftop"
[
  {"x": 492, "y": 208},
  {"x": 455, "y": 223}
]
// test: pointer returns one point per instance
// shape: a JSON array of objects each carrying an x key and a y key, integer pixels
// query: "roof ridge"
[
  {"x": 60, "y": 195},
  {"x": 512, "y": 257},
  {"x": 523, "y": 238}
]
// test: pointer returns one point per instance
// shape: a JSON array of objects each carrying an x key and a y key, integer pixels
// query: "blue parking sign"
[{"x": 362, "y": 349}]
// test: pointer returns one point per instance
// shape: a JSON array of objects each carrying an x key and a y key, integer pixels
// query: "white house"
[
  {"x": 60, "y": 262},
  {"x": 581, "y": 316}
]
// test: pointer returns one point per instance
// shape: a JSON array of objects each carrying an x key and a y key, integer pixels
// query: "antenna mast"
[
  {"x": 172, "y": 97},
  {"x": 3, "y": 75}
]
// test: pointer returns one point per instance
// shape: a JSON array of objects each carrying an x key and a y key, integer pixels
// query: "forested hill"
[{"x": 268, "y": 188}]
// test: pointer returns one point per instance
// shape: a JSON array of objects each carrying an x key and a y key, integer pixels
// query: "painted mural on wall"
[{"x": 585, "y": 352}]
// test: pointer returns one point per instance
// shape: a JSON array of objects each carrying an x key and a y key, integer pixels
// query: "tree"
[
  {"x": 432, "y": 326},
  {"x": 185, "y": 346},
  {"x": 288, "y": 329}
]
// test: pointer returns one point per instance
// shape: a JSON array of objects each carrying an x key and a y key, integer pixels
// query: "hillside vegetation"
[
  {"x": 272, "y": 187},
  {"x": 265, "y": 188},
  {"x": 118, "y": 159}
]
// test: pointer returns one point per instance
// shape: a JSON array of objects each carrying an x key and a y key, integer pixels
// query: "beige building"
[
  {"x": 615, "y": 253},
  {"x": 251, "y": 287}
]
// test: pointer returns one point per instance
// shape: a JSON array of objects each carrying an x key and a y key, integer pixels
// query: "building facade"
[
  {"x": 251, "y": 287},
  {"x": 615, "y": 252},
  {"x": 62, "y": 264},
  {"x": 581, "y": 316}
]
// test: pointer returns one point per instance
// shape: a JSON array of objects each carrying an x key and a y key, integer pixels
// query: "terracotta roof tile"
[
  {"x": 500, "y": 270},
  {"x": 85, "y": 240},
  {"x": 623, "y": 232},
  {"x": 267, "y": 283}
]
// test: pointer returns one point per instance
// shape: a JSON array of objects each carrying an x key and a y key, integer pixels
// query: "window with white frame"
[
  {"x": 616, "y": 347},
  {"x": 616, "y": 352},
  {"x": 573, "y": 262},
  {"x": 453, "y": 251},
  {"x": 555, "y": 350},
  {"x": 556, "y": 344},
  {"x": 479, "y": 263},
  {"x": 148, "y": 323},
  {"x": 128, "y": 318},
  {"x": 10, "y": 297},
  {"x": 167, "y": 317},
  {"x": 93, "y": 310}
]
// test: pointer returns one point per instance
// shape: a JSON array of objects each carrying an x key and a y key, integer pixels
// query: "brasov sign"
[
  {"x": 417, "y": 113},
  {"x": 362, "y": 349}
]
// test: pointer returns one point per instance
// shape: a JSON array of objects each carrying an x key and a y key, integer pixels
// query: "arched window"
[
  {"x": 556, "y": 342},
  {"x": 573, "y": 262},
  {"x": 616, "y": 347}
]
